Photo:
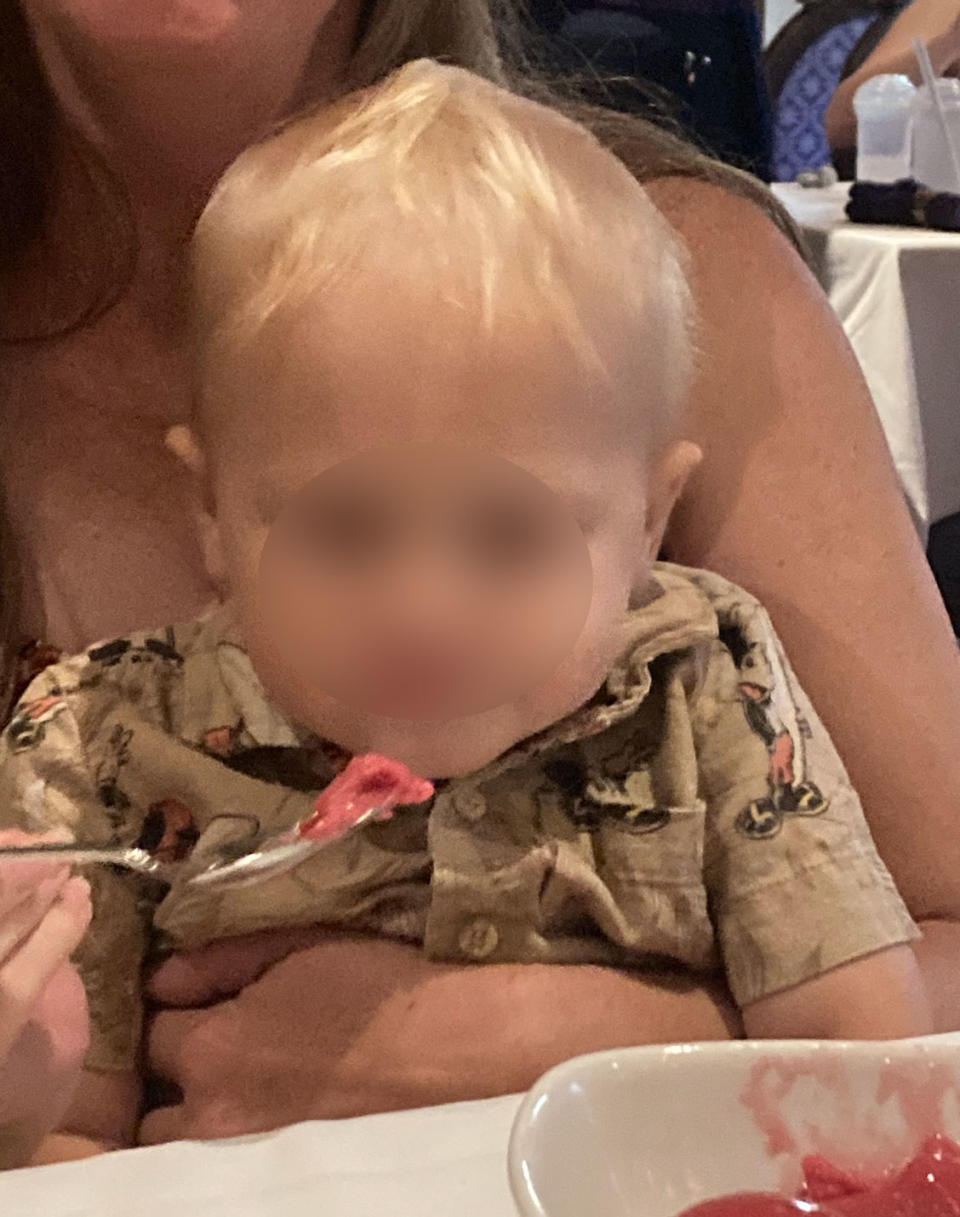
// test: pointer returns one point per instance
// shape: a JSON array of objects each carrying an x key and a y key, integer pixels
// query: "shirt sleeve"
[
  {"x": 46, "y": 782},
  {"x": 795, "y": 883}
]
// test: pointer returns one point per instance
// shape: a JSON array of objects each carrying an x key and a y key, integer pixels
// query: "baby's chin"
[{"x": 442, "y": 749}]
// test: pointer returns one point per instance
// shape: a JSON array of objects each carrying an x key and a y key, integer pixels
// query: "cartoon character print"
[
  {"x": 32, "y": 659},
  {"x": 618, "y": 799},
  {"x": 618, "y": 794},
  {"x": 222, "y": 741},
  {"x": 279, "y": 765},
  {"x": 107, "y": 776},
  {"x": 772, "y": 715},
  {"x": 337, "y": 758},
  {"x": 28, "y": 726},
  {"x": 169, "y": 831},
  {"x": 109, "y": 654}
]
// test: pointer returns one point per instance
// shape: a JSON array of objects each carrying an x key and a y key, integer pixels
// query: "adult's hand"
[
  {"x": 43, "y": 1010},
  {"x": 345, "y": 1026}
]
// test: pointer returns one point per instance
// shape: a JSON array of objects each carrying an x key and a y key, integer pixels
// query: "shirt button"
[
  {"x": 470, "y": 804},
  {"x": 479, "y": 939}
]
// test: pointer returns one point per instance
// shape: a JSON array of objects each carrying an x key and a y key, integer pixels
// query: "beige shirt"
[{"x": 694, "y": 810}]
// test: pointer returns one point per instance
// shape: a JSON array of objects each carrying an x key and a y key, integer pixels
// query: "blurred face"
[
  {"x": 422, "y": 582},
  {"x": 165, "y": 25},
  {"x": 432, "y": 538},
  {"x": 198, "y": 77}
]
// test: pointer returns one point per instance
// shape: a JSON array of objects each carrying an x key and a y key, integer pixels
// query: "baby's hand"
[
  {"x": 43, "y": 1012},
  {"x": 880, "y": 996}
]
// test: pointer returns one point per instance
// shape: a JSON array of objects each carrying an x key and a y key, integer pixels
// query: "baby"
[{"x": 442, "y": 344}]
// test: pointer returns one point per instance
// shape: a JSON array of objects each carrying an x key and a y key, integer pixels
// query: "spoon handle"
[
  {"x": 80, "y": 855},
  {"x": 272, "y": 857}
]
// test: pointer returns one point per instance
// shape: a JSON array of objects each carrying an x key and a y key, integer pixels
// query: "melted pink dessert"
[
  {"x": 368, "y": 782},
  {"x": 928, "y": 1186}
]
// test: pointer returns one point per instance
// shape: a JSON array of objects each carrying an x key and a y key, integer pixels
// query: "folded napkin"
[{"x": 904, "y": 202}]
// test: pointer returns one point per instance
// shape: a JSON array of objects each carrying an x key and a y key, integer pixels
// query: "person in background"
[
  {"x": 116, "y": 119},
  {"x": 937, "y": 22}
]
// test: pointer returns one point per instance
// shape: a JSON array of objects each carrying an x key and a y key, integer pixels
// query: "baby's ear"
[
  {"x": 668, "y": 477},
  {"x": 182, "y": 441}
]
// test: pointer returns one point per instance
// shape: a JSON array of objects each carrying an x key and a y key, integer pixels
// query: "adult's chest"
[{"x": 97, "y": 507}]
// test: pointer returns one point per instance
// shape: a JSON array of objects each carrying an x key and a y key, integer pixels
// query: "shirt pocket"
[{"x": 651, "y": 864}]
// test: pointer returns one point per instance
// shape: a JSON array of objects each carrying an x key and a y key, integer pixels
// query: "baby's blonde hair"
[{"x": 443, "y": 175}]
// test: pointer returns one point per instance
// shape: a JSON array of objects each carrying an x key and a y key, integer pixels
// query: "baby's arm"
[
  {"x": 880, "y": 996},
  {"x": 813, "y": 933}
]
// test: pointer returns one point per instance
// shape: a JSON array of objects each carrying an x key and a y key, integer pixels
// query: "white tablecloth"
[
  {"x": 897, "y": 294},
  {"x": 439, "y": 1162},
  {"x": 446, "y": 1161}
]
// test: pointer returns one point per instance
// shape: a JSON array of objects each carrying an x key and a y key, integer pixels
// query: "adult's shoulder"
[
  {"x": 731, "y": 236},
  {"x": 767, "y": 338}
]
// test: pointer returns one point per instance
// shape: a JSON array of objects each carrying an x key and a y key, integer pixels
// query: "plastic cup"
[
  {"x": 884, "y": 109},
  {"x": 932, "y": 163}
]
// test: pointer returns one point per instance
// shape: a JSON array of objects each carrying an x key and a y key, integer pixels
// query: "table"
[
  {"x": 896, "y": 292},
  {"x": 438, "y": 1162},
  {"x": 448, "y": 1161}
]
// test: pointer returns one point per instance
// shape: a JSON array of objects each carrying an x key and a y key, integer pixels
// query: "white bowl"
[{"x": 646, "y": 1132}]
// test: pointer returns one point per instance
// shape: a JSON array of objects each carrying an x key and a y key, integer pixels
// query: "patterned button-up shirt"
[{"x": 693, "y": 811}]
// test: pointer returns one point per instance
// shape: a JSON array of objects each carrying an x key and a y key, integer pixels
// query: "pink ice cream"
[
  {"x": 367, "y": 782},
  {"x": 928, "y": 1186}
]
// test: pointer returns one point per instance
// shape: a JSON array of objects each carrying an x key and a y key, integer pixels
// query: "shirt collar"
[{"x": 670, "y": 614}]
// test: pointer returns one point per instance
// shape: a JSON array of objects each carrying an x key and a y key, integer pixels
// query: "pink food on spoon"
[{"x": 368, "y": 782}]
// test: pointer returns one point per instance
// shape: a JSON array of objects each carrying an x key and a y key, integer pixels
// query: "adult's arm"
[
  {"x": 937, "y": 22},
  {"x": 798, "y": 501},
  {"x": 311, "y": 1025}
]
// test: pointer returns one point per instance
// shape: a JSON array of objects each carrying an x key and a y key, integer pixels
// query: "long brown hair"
[
  {"x": 36, "y": 145},
  {"x": 70, "y": 289},
  {"x": 28, "y": 117},
  {"x": 70, "y": 284}
]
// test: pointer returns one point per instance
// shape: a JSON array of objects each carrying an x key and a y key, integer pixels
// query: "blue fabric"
[{"x": 799, "y": 140}]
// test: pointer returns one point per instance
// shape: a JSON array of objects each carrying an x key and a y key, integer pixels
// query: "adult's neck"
[{"x": 171, "y": 100}]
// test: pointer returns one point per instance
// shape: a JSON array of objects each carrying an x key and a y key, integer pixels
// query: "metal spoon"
[{"x": 272, "y": 857}]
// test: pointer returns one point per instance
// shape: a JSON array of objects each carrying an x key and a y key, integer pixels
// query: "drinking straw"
[{"x": 926, "y": 71}]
